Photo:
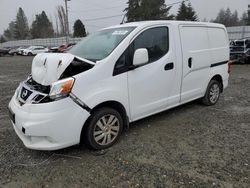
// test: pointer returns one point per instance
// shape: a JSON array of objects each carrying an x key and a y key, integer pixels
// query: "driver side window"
[{"x": 155, "y": 40}]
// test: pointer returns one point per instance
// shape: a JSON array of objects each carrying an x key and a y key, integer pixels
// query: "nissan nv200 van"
[{"x": 116, "y": 76}]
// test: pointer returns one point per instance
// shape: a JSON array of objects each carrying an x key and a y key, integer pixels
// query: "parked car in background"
[
  {"x": 14, "y": 51},
  {"x": 34, "y": 50},
  {"x": 4, "y": 51},
  {"x": 64, "y": 47},
  {"x": 240, "y": 51},
  {"x": 116, "y": 76},
  {"x": 21, "y": 49},
  {"x": 54, "y": 49},
  {"x": 69, "y": 48}
]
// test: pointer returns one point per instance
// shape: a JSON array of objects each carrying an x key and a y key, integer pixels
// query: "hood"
[{"x": 48, "y": 67}]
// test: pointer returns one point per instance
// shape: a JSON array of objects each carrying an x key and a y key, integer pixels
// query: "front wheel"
[
  {"x": 103, "y": 129},
  {"x": 212, "y": 94}
]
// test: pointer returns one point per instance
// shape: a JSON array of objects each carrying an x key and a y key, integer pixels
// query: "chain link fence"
[
  {"x": 49, "y": 42},
  {"x": 233, "y": 33},
  {"x": 240, "y": 32}
]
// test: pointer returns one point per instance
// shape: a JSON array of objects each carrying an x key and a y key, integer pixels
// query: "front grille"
[
  {"x": 46, "y": 100},
  {"x": 38, "y": 87},
  {"x": 32, "y": 92},
  {"x": 38, "y": 98}
]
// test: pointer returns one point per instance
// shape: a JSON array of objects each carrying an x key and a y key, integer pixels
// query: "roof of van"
[{"x": 156, "y": 22}]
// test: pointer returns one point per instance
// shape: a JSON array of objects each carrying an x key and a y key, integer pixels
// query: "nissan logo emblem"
[{"x": 25, "y": 93}]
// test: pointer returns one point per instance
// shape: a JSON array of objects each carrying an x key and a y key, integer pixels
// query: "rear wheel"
[
  {"x": 213, "y": 93},
  {"x": 29, "y": 54},
  {"x": 103, "y": 129}
]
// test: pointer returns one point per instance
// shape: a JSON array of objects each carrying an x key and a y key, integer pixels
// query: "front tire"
[
  {"x": 103, "y": 129},
  {"x": 30, "y": 54},
  {"x": 213, "y": 93}
]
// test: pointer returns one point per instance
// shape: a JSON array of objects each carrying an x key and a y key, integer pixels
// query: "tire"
[
  {"x": 29, "y": 54},
  {"x": 96, "y": 135},
  {"x": 213, "y": 93}
]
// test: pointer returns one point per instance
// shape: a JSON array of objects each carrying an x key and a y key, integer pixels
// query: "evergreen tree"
[
  {"x": 248, "y": 16},
  {"x": 182, "y": 12},
  {"x": 235, "y": 18},
  {"x": 2, "y": 39},
  {"x": 227, "y": 18},
  {"x": 186, "y": 12},
  {"x": 154, "y": 10},
  {"x": 133, "y": 10},
  {"x": 42, "y": 27},
  {"x": 139, "y": 10},
  {"x": 244, "y": 19},
  {"x": 9, "y": 33},
  {"x": 192, "y": 16},
  {"x": 79, "y": 29},
  {"x": 221, "y": 17},
  {"x": 21, "y": 25}
]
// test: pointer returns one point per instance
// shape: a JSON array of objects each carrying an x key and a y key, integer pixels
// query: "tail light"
[{"x": 229, "y": 67}]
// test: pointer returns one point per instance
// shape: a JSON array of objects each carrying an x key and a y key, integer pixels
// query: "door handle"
[
  {"x": 190, "y": 62},
  {"x": 169, "y": 66}
]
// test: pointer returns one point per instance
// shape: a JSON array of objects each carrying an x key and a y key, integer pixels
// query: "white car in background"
[
  {"x": 34, "y": 50},
  {"x": 20, "y": 50}
]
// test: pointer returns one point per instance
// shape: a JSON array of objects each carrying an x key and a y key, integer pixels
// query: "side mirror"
[{"x": 140, "y": 57}]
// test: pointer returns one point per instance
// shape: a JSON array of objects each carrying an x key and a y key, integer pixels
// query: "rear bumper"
[
  {"x": 48, "y": 126},
  {"x": 225, "y": 83}
]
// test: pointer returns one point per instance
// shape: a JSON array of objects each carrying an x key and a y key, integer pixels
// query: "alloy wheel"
[
  {"x": 106, "y": 130},
  {"x": 214, "y": 93}
]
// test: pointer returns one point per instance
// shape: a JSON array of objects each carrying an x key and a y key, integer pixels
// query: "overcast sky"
[{"x": 91, "y": 9}]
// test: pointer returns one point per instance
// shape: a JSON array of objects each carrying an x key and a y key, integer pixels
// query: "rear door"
[{"x": 196, "y": 61}]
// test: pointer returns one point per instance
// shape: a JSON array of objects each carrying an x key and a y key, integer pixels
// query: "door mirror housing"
[{"x": 140, "y": 57}]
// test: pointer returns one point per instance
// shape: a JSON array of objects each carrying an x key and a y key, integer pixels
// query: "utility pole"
[{"x": 67, "y": 21}]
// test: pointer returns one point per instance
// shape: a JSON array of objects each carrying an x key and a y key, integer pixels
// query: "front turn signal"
[{"x": 61, "y": 88}]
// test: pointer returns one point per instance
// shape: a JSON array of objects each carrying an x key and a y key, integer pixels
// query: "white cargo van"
[{"x": 116, "y": 76}]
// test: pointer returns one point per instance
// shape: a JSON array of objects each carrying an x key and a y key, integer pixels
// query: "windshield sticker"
[{"x": 120, "y": 32}]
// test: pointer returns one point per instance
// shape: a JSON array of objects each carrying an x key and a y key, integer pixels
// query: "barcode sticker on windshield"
[{"x": 120, "y": 32}]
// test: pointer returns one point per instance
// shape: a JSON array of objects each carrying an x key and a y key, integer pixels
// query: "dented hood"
[{"x": 48, "y": 67}]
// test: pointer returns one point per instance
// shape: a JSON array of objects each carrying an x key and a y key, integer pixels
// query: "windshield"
[{"x": 99, "y": 45}]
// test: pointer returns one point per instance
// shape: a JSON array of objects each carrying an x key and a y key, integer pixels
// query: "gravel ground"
[{"x": 189, "y": 146}]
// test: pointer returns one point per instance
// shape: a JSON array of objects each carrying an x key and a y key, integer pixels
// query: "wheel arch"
[
  {"x": 111, "y": 104},
  {"x": 115, "y": 105}
]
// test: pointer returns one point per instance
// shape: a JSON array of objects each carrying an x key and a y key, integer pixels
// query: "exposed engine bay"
[{"x": 48, "y": 69}]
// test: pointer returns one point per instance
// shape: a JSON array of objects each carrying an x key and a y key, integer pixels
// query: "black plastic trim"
[
  {"x": 218, "y": 64},
  {"x": 79, "y": 102}
]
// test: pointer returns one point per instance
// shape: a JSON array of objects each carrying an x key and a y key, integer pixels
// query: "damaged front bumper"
[{"x": 47, "y": 126}]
